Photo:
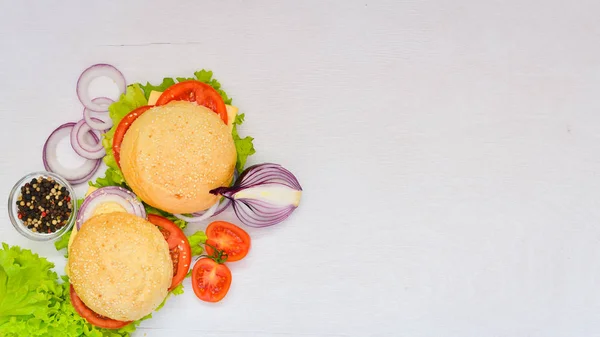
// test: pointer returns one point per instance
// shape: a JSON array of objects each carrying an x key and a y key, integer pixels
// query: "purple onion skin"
[
  {"x": 256, "y": 213},
  {"x": 239, "y": 183}
]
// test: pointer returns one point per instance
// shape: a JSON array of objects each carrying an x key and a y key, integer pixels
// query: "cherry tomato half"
[
  {"x": 92, "y": 317},
  {"x": 210, "y": 280},
  {"x": 231, "y": 239},
  {"x": 179, "y": 247},
  {"x": 122, "y": 128},
  {"x": 195, "y": 91}
]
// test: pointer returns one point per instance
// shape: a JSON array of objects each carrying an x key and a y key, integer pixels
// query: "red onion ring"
[
  {"x": 125, "y": 198},
  {"x": 100, "y": 121},
  {"x": 83, "y": 147},
  {"x": 198, "y": 218},
  {"x": 93, "y": 72},
  {"x": 223, "y": 204},
  {"x": 51, "y": 163}
]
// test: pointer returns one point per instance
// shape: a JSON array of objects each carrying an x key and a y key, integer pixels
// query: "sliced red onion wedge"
[
  {"x": 124, "y": 198},
  {"x": 264, "y": 195},
  {"x": 99, "y": 120},
  {"x": 49, "y": 156},
  {"x": 93, "y": 72},
  {"x": 87, "y": 148}
]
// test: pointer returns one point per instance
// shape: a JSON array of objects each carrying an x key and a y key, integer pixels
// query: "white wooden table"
[{"x": 449, "y": 152}]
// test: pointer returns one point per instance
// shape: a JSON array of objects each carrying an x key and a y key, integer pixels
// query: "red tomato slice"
[
  {"x": 195, "y": 91},
  {"x": 210, "y": 280},
  {"x": 92, "y": 317},
  {"x": 231, "y": 239},
  {"x": 122, "y": 128},
  {"x": 179, "y": 247}
]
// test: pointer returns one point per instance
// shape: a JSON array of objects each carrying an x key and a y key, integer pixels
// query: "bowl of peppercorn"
[{"x": 42, "y": 206}]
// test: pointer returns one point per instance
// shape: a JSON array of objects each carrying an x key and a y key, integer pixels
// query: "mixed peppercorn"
[{"x": 44, "y": 205}]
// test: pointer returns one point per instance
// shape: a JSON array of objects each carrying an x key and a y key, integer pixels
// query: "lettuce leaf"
[
  {"x": 63, "y": 241},
  {"x": 196, "y": 240},
  {"x": 243, "y": 146},
  {"x": 21, "y": 274}
]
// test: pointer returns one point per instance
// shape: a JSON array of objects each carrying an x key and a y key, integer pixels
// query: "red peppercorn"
[
  {"x": 44, "y": 214},
  {"x": 68, "y": 199},
  {"x": 20, "y": 215}
]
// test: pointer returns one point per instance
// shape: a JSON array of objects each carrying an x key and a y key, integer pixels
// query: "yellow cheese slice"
[{"x": 154, "y": 95}]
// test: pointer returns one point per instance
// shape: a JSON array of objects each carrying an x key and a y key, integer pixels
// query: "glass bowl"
[{"x": 20, "y": 226}]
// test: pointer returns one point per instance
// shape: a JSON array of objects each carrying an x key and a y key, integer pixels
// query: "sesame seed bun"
[
  {"x": 173, "y": 155},
  {"x": 120, "y": 266}
]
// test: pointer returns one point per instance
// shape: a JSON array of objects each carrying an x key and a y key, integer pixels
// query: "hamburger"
[
  {"x": 173, "y": 155},
  {"x": 120, "y": 269}
]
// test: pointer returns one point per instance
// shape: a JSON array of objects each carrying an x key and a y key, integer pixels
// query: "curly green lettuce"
[
  {"x": 196, "y": 241},
  {"x": 63, "y": 241},
  {"x": 243, "y": 146}
]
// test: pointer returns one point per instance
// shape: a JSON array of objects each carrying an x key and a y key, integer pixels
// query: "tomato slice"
[
  {"x": 195, "y": 91},
  {"x": 179, "y": 247},
  {"x": 92, "y": 317},
  {"x": 210, "y": 280},
  {"x": 231, "y": 239},
  {"x": 122, "y": 128}
]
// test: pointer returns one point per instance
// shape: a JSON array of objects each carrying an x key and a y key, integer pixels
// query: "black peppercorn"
[{"x": 39, "y": 207}]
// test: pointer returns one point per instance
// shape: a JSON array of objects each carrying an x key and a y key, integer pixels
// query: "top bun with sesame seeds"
[
  {"x": 119, "y": 266},
  {"x": 174, "y": 154}
]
